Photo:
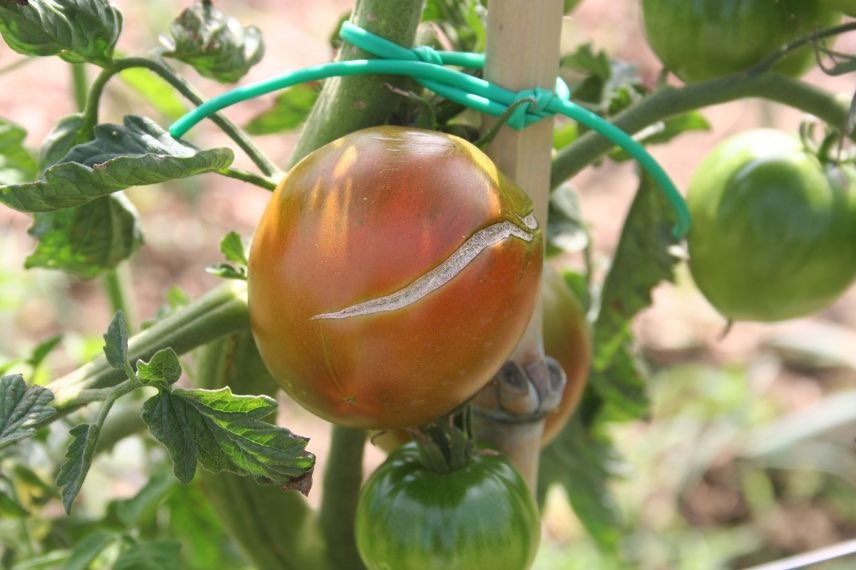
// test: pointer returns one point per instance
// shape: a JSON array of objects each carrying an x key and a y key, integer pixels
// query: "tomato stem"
[{"x": 672, "y": 101}]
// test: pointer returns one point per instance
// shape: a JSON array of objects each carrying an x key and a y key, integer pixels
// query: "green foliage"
[
  {"x": 116, "y": 342},
  {"x": 161, "y": 555},
  {"x": 225, "y": 432},
  {"x": 78, "y": 31},
  {"x": 22, "y": 407},
  {"x": 155, "y": 90},
  {"x": 16, "y": 162},
  {"x": 566, "y": 230},
  {"x": 140, "y": 152},
  {"x": 215, "y": 44},
  {"x": 234, "y": 250},
  {"x": 289, "y": 111},
  {"x": 88, "y": 239},
  {"x": 62, "y": 138},
  {"x": 78, "y": 460}
]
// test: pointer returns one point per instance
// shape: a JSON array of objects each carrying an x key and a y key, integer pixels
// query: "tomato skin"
[
  {"x": 773, "y": 229},
  {"x": 362, "y": 219},
  {"x": 567, "y": 338},
  {"x": 705, "y": 39},
  {"x": 479, "y": 516}
]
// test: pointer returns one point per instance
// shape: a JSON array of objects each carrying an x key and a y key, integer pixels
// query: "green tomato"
[
  {"x": 774, "y": 229},
  {"x": 705, "y": 39},
  {"x": 477, "y": 517},
  {"x": 846, "y": 6}
]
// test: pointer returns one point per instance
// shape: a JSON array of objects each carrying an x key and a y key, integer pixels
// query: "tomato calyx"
[{"x": 444, "y": 446}]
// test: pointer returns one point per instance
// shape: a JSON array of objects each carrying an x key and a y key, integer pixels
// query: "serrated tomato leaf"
[
  {"x": 62, "y": 138},
  {"x": 86, "y": 240},
  {"x": 78, "y": 460},
  {"x": 116, "y": 341},
  {"x": 21, "y": 408},
  {"x": 583, "y": 463},
  {"x": 161, "y": 370},
  {"x": 646, "y": 256},
  {"x": 16, "y": 163},
  {"x": 138, "y": 153},
  {"x": 225, "y": 432},
  {"x": 232, "y": 247},
  {"x": 215, "y": 44},
  {"x": 78, "y": 31},
  {"x": 289, "y": 111}
]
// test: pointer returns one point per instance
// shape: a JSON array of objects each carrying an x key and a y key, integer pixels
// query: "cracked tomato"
[{"x": 392, "y": 273}]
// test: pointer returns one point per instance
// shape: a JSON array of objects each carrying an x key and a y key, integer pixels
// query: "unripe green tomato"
[
  {"x": 391, "y": 275},
  {"x": 773, "y": 229},
  {"x": 481, "y": 516},
  {"x": 704, "y": 39}
]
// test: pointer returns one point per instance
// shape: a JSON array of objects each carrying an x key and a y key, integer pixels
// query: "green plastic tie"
[{"x": 426, "y": 66}]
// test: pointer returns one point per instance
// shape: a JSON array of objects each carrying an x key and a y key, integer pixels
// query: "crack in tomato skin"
[{"x": 440, "y": 275}]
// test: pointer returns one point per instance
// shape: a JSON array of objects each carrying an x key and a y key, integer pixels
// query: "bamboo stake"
[{"x": 522, "y": 53}]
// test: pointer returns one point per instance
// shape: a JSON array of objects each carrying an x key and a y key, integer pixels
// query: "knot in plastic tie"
[
  {"x": 539, "y": 100},
  {"x": 427, "y": 54}
]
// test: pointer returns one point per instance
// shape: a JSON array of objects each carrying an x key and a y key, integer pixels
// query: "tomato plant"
[
  {"x": 773, "y": 228},
  {"x": 706, "y": 39},
  {"x": 410, "y": 266},
  {"x": 480, "y": 515}
]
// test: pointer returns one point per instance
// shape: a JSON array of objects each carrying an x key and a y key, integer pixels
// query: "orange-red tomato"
[
  {"x": 567, "y": 339},
  {"x": 391, "y": 275}
]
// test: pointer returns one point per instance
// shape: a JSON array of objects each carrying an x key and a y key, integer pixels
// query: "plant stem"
[
  {"x": 189, "y": 92},
  {"x": 522, "y": 52},
  {"x": 347, "y": 104},
  {"x": 342, "y": 480},
  {"x": 220, "y": 311},
  {"x": 670, "y": 101},
  {"x": 79, "y": 86},
  {"x": 250, "y": 177},
  {"x": 117, "y": 283}
]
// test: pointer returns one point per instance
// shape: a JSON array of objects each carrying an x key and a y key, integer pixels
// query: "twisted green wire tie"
[{"x": 426, "y": 66}]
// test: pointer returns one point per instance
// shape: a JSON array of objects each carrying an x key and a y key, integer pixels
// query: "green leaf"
[
  {"x": 607, "y": 85},
  {"x": 116, "y": 341},
  {"x": 89, "y": 548},
  {"x": 225, "y": 432},
  {"x": 646, "y": 256},
  {"x": 216, "y": 45},
  {"x": 232, "y": 247},
  {"x": 21, "y": 408},
  {"x": 78, "y": 460},
  {"x": 161, "y": 555},
  {"x": 156, "y": 91},
  {"x": 138, "y": 153},
  {"x": 142, "y": 506},
  {"x": 16, "y": 163},
  {"x": 88, "y": 239},
  {"x": 665, "y": 131},
  {"x": 42, "y": 350},
  {"x": 623, "y": 387},
  {"x": 11, "y": 508},
  {"x": 566, "y": 230},
  {"x": 289, "y": 111},
  {"x": 583, "y": 463},
  {"x": 162, "y": 370},
  {"x": 76, "y": 30},
  {"x": 61, "y": 139}
]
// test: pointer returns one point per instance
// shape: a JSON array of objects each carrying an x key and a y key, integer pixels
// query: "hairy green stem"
[
  {"x": 219, "y": 312},
  {"x": 90, "y": 118},
  {"x": 117, "y": 284},
  {"x": 250, "y": 177},
  {"x": 79, "y": 85},
  {"x": 342, "y": 481},
  {"x": 347, "y": 104},
  {"x": 671, "y": 101}
]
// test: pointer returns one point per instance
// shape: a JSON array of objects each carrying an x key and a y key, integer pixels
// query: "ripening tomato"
[
  {"x": 774, "y": 229},
  {"x": 480, "y": 516},
  {"x": 392, "y": 273},
  {"x": 567, "y": 339}
]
